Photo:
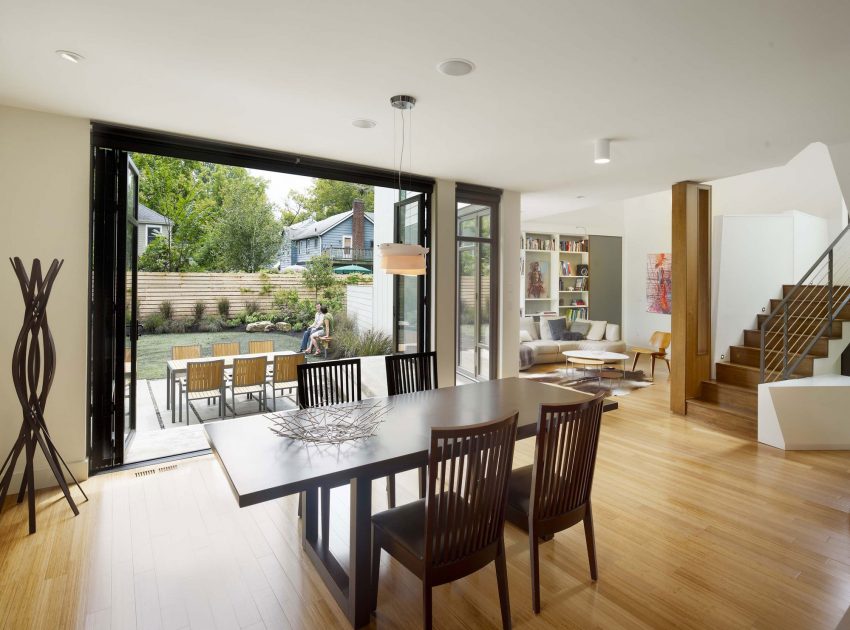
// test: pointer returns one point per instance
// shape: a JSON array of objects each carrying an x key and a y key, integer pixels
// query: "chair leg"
[
  {"x": 426, "y": 605},
  {"x": 502, "y": 579},
  {"x": 591, "y": 541},
  {"x": 634, "y": 365},
  {"x": 534, "y": 544},
  {"x": 652, "y": 372},
  {"x": 376, "y": 569},
  {"x": 326, "y": 515},
  {"x": 667, "y": 361},
  {"x": 391, "y": 491}
]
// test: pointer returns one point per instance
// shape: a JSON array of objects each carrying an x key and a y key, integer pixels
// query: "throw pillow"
[
  {"x": 597, "y": 329},
  {"x": 572, "y": 335},
  {"x": 580, "y": 328},
  {"x": 524, "y": 335},
  {"x": 530, "y": 326},
  {"x": 545, "y": 334},
  {"x": 612, "y": 332},
  {"x": 557, "y": 327}
]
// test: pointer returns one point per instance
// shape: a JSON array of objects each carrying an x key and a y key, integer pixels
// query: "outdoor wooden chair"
[
  {"x": 284, "y": 376},
  {"x": 226, "y": 349},
  {"x": 249, "y": 378},
  {"x": 261, "y": 345},
  {"x": 553, "y": 493},
  {"x": 204, "y": 379},
  {"x": 659, "y": 343},
  {"x": 186, "y": 352},
  {"x": 407, "y": 374},
  {"x": 459, "y": 527}
]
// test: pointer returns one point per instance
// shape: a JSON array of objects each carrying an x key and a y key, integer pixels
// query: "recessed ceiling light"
[
  {"x": 579, "y": 196},
  {"x": 70, "y": 55},
  {"x": 456, "y": 67},
  {"x": 363, "y": 123},
  {"x": 602, "y": 151}
]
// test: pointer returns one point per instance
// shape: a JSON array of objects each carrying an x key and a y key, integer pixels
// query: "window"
[{"x": 153, "y": 232}]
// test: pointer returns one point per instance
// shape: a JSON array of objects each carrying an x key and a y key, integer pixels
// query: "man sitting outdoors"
[{"x": 318, "y": 324}]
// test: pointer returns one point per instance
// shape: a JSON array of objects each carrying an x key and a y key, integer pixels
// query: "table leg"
[
  {"x": 167, "y": 387},
  {"x": 360, "y": 554}
]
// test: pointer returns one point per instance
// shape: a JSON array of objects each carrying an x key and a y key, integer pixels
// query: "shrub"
[
  {"x": 224, "y": 308},
  {"x": 334, "y": 298},
  {"x": 250, "y": 318},
  {"x": 293, "y": 310},
  {"x": 158, "y": 324},
  {"x": 374, "y": 343},
  {"x": 350, "y": 342},
  {"x": 251, "y": 307},
  {"x": 210, "y": 324},
  {"x": 166, "y": 309},
  {"x": 153, "y": 322},
  {"x": 200, "y": 309}
]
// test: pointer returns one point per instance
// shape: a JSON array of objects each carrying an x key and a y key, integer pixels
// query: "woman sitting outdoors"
[{"x": 324, "y": 331}]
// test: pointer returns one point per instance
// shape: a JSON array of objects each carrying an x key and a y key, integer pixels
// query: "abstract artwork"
[
  {"x": 537, "y": 286},
  {"x": 659, "y": 284}
]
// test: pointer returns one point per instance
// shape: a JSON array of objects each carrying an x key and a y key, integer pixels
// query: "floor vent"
[
  {"x": 168, "y": 468},
  {"x": 146, "y": 473}
]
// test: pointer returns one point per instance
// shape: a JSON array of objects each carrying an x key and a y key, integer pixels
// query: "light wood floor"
[{"x": 695, "y": 529}]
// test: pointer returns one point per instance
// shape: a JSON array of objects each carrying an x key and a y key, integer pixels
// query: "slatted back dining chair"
[
  {"x": 284, "y": 375},
  {"x": 186, "y": 352},
  {"x": 249, "y": 378},
  {"x": 459, "y": 527},
  {"x": 225, "y": 348},
  {"x": 261, "y": 345},
  {"x": 329, "y": 383},
  {"x": 322, "y": 384},
  {"x": 204, "y": 379},
  {"x": 553, "y": 494},
  {"x": 407, "y": 374}
]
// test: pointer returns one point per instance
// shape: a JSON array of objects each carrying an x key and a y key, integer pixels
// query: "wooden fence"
[{"x": 184, "y": 289}]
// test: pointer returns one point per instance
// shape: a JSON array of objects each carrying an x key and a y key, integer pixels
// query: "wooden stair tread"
[
  {"x": 731, "y": 386},
  {"x": 734, "y": 410},
  {"x": 794, "y": 355},
  {"x": 792, "y": 334}
]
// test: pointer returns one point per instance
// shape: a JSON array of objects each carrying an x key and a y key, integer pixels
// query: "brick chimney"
[{"x": 358, "y": 218}]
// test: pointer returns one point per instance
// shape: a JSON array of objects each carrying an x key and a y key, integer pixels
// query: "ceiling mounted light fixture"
[
  {"x": 363, "y": 123},
  {"x": 602, "y": 151},
  {"x": 403, "y": 259},
  {"x": 455, "y": 67},
  {"x": 70, "y": 55}
]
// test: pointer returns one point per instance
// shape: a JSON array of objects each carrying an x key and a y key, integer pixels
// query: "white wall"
[
  {"x": 648, "y": 229},
  {"x": 443, "y": 260},
  {"x": 382, "y": 283},
  {"x": 359, "y": 303},
  {"x": 509, "y": 294},
  {"x": 44, "y": 200}
]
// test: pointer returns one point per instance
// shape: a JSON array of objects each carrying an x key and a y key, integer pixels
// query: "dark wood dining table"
[{"x": 261, "y": 465}]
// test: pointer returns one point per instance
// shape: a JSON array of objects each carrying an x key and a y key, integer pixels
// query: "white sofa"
[{"x": 544, "y": 349}]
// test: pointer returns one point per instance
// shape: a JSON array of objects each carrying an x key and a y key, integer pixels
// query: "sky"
[{"x": 281, "y": 183}]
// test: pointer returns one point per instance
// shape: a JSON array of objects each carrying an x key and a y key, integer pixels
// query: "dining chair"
[
  {"x": 249, "y": 378},
  {"x": 407, "y": 374},
  {"x": 328, "y": 383},
  {"x": 659, "y": 342},
  {"x": 261, "y": 345},
  {"x": 458, "y": 528},
  {"x": 553, "y": 493},
  {"x": 204, "y": 379},
  {"x": 284, "y": 376},
  {"x": 225, "y": 349},
  {"x": 186, "y": 352}
]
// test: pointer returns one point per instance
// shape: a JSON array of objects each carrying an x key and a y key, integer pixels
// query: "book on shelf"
[
  {"x": 573, "y": 314},
  {"x": 566, "y": 268},
  {"x": 533, "y": 242},
  {"x": 572, "y": 246}
]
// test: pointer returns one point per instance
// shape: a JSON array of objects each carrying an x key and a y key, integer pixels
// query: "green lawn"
[{"x": 152, "y": 351}]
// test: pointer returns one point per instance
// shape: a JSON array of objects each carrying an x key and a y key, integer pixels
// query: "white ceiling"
[{"x": 687, "y": 90}]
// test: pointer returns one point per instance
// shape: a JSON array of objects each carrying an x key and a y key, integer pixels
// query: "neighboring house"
[
  {"x": 347, "y": 238},
  {"x": 151, "y": 225}
]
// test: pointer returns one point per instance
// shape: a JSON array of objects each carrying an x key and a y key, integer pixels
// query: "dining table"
[
  {"x": 262, "y": 465},
  {"x": 175, "y": 368}
]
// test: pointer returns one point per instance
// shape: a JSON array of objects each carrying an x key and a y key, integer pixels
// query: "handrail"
[{"x": 788, "y": 367}]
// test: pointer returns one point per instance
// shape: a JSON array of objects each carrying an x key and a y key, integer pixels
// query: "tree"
[
  {"x": 246, "y": 234},
  {"x": 157, "y": 256},
  {"x": 319, "y": 274},
  {"x": 327, "y": 197}
]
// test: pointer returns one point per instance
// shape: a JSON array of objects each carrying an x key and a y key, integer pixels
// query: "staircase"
[{"x": 802, "y": 334}]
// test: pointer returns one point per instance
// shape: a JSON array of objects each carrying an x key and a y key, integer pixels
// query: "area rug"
[{"x": 575, "y": 379}]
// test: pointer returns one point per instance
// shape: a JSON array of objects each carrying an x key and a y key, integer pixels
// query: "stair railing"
[{"x": 806, "y": 313}]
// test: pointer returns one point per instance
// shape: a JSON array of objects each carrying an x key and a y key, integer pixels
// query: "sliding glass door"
[
  {"x": 477, "y": 286},
  {"x": 410, "y": 306}
]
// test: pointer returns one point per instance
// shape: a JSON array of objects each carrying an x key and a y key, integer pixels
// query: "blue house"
[{"x": 348, "y": 238}]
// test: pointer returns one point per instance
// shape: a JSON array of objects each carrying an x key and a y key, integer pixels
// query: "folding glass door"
[{"x": 410, "y": 308}]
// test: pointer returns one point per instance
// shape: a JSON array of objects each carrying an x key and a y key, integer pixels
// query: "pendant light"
[{"x": 401, "y": 258}]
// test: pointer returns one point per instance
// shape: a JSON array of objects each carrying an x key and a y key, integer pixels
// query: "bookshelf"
[{"x": 551, "y": 277}]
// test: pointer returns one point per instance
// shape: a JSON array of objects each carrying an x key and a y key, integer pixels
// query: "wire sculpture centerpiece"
[{"x": 331, "y": 425}]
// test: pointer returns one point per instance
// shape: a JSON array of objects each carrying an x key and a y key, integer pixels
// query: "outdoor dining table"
[
  {"x": 261, "y": 465},
  {"x": 174, "y": 368}
]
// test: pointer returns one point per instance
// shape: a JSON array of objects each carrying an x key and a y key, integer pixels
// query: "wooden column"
[{"x": 691, "y": 321}]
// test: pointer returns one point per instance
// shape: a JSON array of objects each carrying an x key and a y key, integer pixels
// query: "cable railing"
[{"x": 807, "y": 313}]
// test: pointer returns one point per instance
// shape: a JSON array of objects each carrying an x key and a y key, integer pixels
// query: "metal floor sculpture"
[{"x": 33, "y": 367}]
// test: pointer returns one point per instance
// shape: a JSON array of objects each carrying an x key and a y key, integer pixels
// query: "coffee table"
[{"x": 599, "y": 358}]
